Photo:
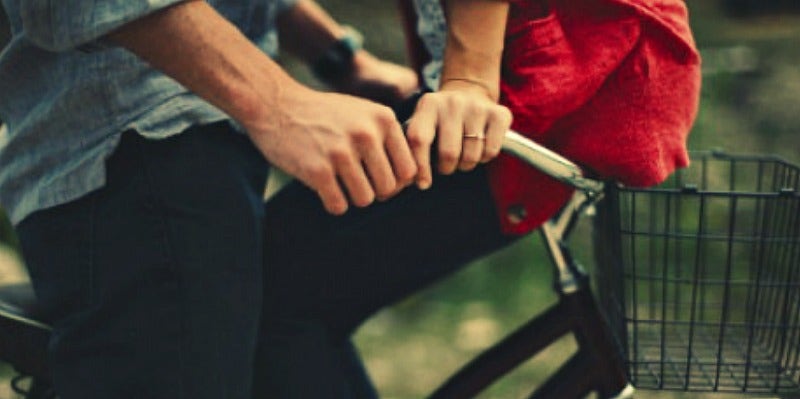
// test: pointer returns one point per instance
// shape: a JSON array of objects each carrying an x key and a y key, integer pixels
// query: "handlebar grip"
[{"x": 549, "y": 162}]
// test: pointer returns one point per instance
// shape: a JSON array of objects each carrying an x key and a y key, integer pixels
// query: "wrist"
[
  {"x": 472, "y": 85},
  {"x": 266, "y": 111}
]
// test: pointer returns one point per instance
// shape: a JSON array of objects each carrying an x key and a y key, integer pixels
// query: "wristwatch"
[{"x": 337, "y": 61}]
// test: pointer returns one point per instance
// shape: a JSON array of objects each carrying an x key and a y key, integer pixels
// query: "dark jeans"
[{"x": 175, "y": 281}]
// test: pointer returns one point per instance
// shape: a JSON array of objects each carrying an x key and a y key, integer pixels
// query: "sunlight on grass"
[{"x": 411, "y": 348}]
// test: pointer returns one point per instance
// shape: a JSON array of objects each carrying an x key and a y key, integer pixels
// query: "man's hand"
[
  {"x": 326, "y": 138},
  {"x": 320, "y": 138},
  {"x": 378, "y": 80}
]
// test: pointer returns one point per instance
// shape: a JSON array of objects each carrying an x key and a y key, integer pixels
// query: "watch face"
[{"x": 337, "y": 62}]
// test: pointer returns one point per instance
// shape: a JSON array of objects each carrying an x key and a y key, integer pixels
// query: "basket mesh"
[{"x": 700, "y": 277}]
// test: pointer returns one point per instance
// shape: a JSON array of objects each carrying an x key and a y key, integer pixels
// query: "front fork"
[{"x": 596, "y": 366}]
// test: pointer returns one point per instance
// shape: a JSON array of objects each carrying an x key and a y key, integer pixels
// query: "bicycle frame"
[{"x": 597, "y": 365}]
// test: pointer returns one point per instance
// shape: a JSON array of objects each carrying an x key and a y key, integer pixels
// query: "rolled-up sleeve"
[{"x": 59, "y": 25}]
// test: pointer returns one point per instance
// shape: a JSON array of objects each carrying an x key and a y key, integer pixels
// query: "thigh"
[
  {"x": 153, "y": 283},
  {"x": 342, "y": 269}
]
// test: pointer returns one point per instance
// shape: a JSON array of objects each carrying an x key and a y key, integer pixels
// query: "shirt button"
[{"x": 516, "y": 214}]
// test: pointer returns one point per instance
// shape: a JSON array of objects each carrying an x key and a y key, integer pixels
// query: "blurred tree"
[
  {"x": 4, "y": 32},
  {"x": 4, "y": 29},
  {"x": 744, "y": 8},
  {"x": 7, "y": 235},
  {"x": 6, "y": 231}
]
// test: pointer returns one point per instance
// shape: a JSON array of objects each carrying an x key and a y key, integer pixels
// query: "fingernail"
[
  {"x": 383, "y": 198},
  {"x": 424, "y": 184},
  {"x": 339, "y": 210}
]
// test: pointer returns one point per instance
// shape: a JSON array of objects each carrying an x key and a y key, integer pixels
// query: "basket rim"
[
  {"x": 721, "y": 155},
  {"x": 690, "y": 190}
]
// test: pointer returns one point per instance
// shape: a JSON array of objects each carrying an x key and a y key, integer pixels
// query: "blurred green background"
[{"x": 750, "y": 98}]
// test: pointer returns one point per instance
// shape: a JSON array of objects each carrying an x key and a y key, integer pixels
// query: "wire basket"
[{"x": 700, "y": 277}]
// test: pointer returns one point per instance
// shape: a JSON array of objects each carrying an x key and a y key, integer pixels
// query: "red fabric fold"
[{"x": 611, "y": 84}]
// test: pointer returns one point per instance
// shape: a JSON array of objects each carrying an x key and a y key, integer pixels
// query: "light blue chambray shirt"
[{"x": 66, "y": 99}]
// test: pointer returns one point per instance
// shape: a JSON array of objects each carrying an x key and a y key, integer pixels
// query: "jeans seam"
[
  {"x": 91, "y": 298},
  {"x": 163, "y": 226}
]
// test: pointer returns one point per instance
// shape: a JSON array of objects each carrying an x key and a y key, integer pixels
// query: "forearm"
[
  {"x": 196, "y": 46},
  {"x": 475, "y": 38},
  {"x": 307, "y": 31}
]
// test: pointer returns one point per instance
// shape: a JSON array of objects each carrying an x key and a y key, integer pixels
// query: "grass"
[{"x": 413, "y": 346}]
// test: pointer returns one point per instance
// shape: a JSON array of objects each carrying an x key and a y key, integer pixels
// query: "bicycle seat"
[
  {"x": 23, "y": 333},
  {"x": 18, "y": 301}
]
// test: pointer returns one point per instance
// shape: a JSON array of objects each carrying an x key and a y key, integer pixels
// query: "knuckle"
[
  {"x": 364, "y": 138},
  {"x": 503, "y": 114},
  {"x": 340, "y": 154},
  {"x": 467, "y": 166},
  {"x": 319, "y": 173},
  {"x": 385, "y": 191},
  {"x": 456, "y": 102},
  {"x": 424, "y": 101},
  {"x": 470, "y": 158},
  {"x": 428, "y": 100},
  {"x": 385, "y": 117},
  {"x": 449, "y": 156},
  {"x": 477, "y": 109},
  {"x": 417, "y": 140},
  {"x": 491, "y": 153},
  {"x": 408, "y": 173},
  {"x": 386, "y": 187}
]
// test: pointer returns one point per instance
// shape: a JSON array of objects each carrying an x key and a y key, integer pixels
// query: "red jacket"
[{"x": 611, "y": 84}]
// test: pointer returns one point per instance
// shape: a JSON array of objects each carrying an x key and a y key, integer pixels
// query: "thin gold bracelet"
[{"x": 479, "y": 83}]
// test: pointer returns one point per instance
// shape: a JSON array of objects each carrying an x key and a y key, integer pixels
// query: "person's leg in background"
[
  {"x": 153, "y": 283},
  {"x": 325, "y": 275}
]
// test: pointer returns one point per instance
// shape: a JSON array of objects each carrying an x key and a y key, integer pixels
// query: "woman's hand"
[
  {"x": 466, "y": 122},
  {"x": 463, "y": 116}
]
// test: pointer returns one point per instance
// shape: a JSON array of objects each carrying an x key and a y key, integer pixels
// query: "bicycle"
[{"x": 626, "y": 337}]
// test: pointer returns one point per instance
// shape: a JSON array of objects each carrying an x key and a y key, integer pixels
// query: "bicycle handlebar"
[{"x": 550, "y": 163}]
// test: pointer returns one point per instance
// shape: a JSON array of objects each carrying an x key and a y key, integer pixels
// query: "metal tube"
[{"x": 549, "y": 162}]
